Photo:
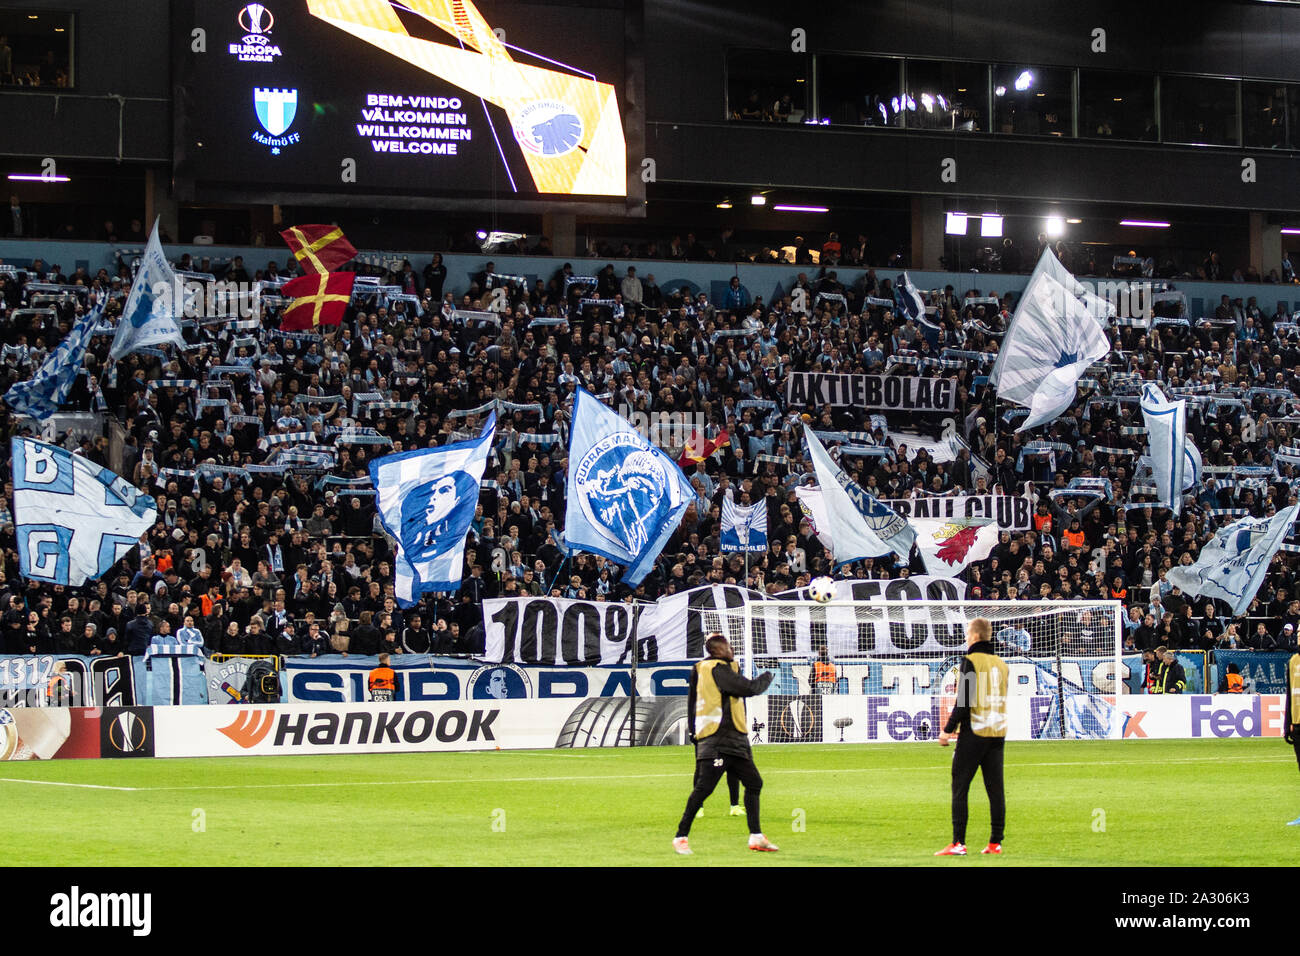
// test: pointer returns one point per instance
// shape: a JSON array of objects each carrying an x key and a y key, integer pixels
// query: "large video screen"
[{"x": 458, "y": 98}]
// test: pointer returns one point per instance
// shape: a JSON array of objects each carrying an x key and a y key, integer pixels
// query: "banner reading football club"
[
  {"x": 319, "y": 248},
  {"x": 1232, "y": 566},
  {"x": 902, "y": 393},
  {"x": 318, "y": 300},
  {"x": 149, "y": 316},
  {"x": 625, "y": 497},
  {"x": 48, "y": 388},
  {"x": 426, "y": 500},
  {"x": 860, "y": 525},
  {"x": 744, "y": 527},
  {"x": 73, "y": 519},
  {"x": 1007, "y": 512}
]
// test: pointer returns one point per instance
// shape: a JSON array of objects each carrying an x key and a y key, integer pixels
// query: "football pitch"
[{"x": 1135, "y": 803}]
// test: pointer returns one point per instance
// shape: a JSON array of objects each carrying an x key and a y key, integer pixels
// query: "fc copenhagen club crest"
[
  {"x": 548, "y": 128},
  {"x": 625, "y": 491}
]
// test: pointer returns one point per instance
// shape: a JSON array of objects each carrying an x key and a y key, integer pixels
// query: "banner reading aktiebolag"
[{"x": 903, "y": 393}]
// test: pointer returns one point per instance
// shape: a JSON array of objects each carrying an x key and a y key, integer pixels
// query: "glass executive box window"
[
  {"x": 1194, "y": 109},
  {"x": 860, "y": 91},
  {"x": 36, "y": 49},
  {"x": 1117, "y": 105},
  {"x": 765, "y": 87},
  {"x": 1264, "y": 115},
  {"x": 947, "y": 95},
  {"x": 1033, "y": 101}
]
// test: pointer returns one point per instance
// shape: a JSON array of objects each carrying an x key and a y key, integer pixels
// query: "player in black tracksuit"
[
  {"x": 716, "y": 711},
  {"x": 980, "y": 720},
  {"x": 1291, "y": 711}
]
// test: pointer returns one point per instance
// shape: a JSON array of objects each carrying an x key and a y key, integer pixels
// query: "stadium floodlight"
[
  {"x": 38, "y": 178},
  {"x": 991, "y": 225},
  {"x": 1074, "y": 222},
  {"x": 955, "y": 224},
  {"x": 1000, "y": 91},
  {"x": 725, "y": 204},
  {"x": 1054, "y": 226},
  {"x": 801, "y": 208},
  {"x": 1291, "y": 232},
  {"x": 1024, "y": 81},
  {"x": 1146, "y": 223},
  {"x": 928, "y": 102},
  {"x": 758, "y": 199}
]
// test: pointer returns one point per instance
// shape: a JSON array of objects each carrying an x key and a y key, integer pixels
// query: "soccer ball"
[{"x": 821, "y": 590}]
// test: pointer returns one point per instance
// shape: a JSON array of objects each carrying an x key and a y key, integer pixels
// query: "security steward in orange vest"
[
  {"x": 824, "y": 678},
  {"x": 1233, "y": 682},
  {"x": 979, "y": 722},
  {"x": 1292, "y": 706},
  {"x": 382, "y": 681},
  {"x": 58, "y": 690}
]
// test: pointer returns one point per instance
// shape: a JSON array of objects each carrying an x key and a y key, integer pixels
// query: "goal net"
[{"x": 1063, "y": 657}]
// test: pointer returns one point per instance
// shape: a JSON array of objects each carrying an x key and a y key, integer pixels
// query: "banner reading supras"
[
  {"x": 902, "y": 393},
  {"x": 421, "y": 678}
]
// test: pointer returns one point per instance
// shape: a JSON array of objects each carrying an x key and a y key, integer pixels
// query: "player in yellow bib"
[
  {"x": 1292, "y": 704},
  {"x": 979, "y": 722}
]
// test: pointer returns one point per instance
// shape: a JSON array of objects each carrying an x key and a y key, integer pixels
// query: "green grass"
[{"x": 1166, "y": 803}]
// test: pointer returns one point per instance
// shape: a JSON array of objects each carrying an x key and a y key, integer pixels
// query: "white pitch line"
[
  {"x": 61, "y": 783},
  {"x": 614, "y": 777}
]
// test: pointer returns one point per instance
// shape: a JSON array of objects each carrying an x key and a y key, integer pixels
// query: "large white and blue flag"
[
  {"x": 73, "y": 519},
  {"x": 1175, "y": 461},
  {"x": 1233, "y": 564},
  {"x": 744, "y": 527},
  {"x": 1055, "y": 334},
  {"x": 48, "y": 388},
  {"x": 426, "y": 501},
  {"x": 625, "y": 497},
  {"x": 149, "y": 316},
  {"x": 860, "y": 525}
]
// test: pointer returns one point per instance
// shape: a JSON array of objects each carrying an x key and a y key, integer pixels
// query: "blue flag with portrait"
[
  {"x": 625, "y": 497},
  {"x": 426, "y": 500}
]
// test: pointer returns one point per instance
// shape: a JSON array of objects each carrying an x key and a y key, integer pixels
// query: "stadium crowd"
[{"x": 290, "y": 558}]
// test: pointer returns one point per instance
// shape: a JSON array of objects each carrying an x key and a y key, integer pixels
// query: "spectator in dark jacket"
[{"x": 139, "y": 632}]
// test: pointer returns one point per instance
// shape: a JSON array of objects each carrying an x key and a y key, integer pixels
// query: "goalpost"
[{"x": 1064, "y": 657}]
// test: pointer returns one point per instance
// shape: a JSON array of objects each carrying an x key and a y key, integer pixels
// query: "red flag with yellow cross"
[
  {"x": 317, "y": 300},
  {"x": 319, "y": 248}
]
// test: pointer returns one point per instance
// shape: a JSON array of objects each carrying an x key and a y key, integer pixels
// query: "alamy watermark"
[
  {"x": 198, "y": 299},
  {"x": 665, "y": 430}
]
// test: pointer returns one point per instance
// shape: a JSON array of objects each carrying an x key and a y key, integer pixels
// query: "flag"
[
  {"x": 949, "y": 545},
  {"x": 1055, "y": 334},
  {"x": 73, "y": 520},
  {"x": 910, "y": 299},
  {"x": 698, "y": 448},
  {"x": 426, "y": 501},
  {"x": 317, "y": 300},
  {"x": 744, "y": 528},
  {"x": 860, "y": 525},
  {"x": 1232, "y": 566},
  {"x": 1175, "y": 461},
  {"x": 625, "y": 497},
  {"x": 813, "y": 506},
  {"x": 48, "y": 388},
  {"x": 319, "y": 248},
  {"x": 149, "y": 316}
]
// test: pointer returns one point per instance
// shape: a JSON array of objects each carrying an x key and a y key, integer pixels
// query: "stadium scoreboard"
[{"x": 324, "y": 100}]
